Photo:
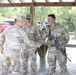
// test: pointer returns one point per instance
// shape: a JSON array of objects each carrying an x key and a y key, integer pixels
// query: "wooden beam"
[
  {"x": 15, "y": 5},
  {"x": 56, "y": 4},
  {"x": 39, "y": 4},
  {"x": 33, "y": 1},
  {"x": 0, "y": 1},
  {"x": 32, "y": 11},
  {"x": 21, "y": 1},
  {"x": 10, "y": 1},
  {"x": 46, "y": 1}
]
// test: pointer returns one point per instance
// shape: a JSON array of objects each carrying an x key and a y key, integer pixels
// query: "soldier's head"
[
  {"x": 51, "y": 19},
  {"x": 28, "y": 19},
  {"x": 20, "y": 21},
  {"x": 39, "y": 22}
]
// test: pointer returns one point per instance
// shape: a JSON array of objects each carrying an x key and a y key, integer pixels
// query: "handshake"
[{"x": 51, "y": 37}]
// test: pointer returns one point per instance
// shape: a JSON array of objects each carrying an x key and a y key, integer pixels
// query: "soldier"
[
  {"x": 39, "y": 25},
  {"x": 56, "y": 30},
  {"x": 13, "y": 39},
  {"x": 33, "y": 34}
]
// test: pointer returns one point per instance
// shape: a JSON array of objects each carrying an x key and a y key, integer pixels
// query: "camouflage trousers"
[
  {"x": 54, "y": 55},
  {"x": 25, "y": 56},
  {"x": 13, "y": 61}
]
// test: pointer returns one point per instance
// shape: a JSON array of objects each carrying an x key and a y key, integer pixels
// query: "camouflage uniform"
[
  {"x": 33, "y": 34},
  {"x": 53, "y": 53},
  {"x": 14, "y": 42}
]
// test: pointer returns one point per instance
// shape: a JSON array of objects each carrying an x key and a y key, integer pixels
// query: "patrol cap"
[
  {"x": 52, "y": 15},
  {"x": 20, "y": 18},
  {"x": 28, "y": 16}
]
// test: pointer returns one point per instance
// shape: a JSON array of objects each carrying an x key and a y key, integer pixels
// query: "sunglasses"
[
  {"x": 38, "y": 22},
  {"x": 28, "y": 18}
]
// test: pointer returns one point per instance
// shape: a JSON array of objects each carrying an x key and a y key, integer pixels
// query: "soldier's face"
[
  {"x": 51, "y": 20},
  {"x": 28, "y": 20},
  {"x": 21, "y": 23}
]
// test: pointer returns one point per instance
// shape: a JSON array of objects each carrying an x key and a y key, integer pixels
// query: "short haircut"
[
  {"x": 52, "y": 15},
  {"x": 15, "y": 20}
]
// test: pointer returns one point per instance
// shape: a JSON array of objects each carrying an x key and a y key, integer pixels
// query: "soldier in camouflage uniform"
[
  {"x": 54, "y": 54},
  {"x": 33, "y": 34},
  {"x": 13, "y": 39}
]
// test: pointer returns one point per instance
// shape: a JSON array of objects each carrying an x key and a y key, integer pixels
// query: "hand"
[
  {"x": 29, "y": 53},
  {"x": 1, "y": 51},
  {"x": 38, "y": 45}
]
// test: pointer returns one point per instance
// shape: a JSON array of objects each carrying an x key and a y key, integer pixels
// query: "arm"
[
  {"x": 66, "y": 35},
  {"x": 37, "y": 34},
  {"x": 25, "y": 39},
  {"x": 2, "y": 39}
]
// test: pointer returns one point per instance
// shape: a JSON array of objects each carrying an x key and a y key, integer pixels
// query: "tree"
[{"x": 64, "y": 15}]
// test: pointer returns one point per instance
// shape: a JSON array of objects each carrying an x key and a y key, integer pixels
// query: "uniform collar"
[
  {"x": 17, "y": 26},
  {"x": 53, "y": 26}
]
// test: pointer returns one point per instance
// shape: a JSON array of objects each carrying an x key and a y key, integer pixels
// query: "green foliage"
[
  {"x": 64, "y": 15},
  {"x": 12, "y": 12}
]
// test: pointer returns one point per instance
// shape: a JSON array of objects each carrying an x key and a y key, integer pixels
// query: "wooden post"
[{"x": 32, "y": 11}]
